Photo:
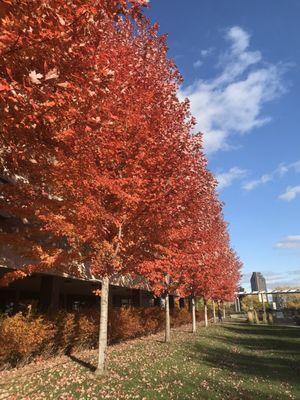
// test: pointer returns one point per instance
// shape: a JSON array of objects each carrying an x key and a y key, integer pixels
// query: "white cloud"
[
  {"x": 204, "y": 54},
  {"x": 225, "y": 179},
  {"x": 257, "y": 182},
  {"x": 198, "y": 63},
  {"x": 289, "y": 242},
  {"x": 290, "y": 194},
  {"x": 207, "y": 52},
  {"x": 296, "y": 166},
  {"x": 280, "y": 171},
  {"x": 231, "y": 103},
  {"x": 283, "y": 168},
  {"x": 240, "y": 39}
]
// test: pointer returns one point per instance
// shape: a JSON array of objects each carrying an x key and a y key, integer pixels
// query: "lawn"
[{"x": 232, "y": 361}]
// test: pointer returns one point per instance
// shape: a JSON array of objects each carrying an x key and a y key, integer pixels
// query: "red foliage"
[
  {"x": 83, "y": 134},
  {"x": 104, "y": 174}
]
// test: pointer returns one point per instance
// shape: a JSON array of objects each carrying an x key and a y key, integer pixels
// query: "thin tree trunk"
[
  {"x": 239, "y": 304},
  {"x": 224, "y": 311},
  {"x": 214, "y": 311},
  {"x": 265, "y": 321},
  {"x": 194, "y": 315},
  {"x": 103, "y": 326},
  {"x": 205, "y": 314},
  {"x": 168, "y": 329}
]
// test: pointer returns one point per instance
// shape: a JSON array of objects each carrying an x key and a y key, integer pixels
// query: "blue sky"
[{"x": 240, "y": 61}]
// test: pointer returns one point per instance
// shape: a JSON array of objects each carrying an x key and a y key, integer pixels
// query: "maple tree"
[
  {"x": 103, "y": 175},
  {"x": 210, "y": 269},
  {"x": 76, "y": 127}
]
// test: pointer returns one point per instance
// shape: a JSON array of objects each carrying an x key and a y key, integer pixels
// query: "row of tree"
[{"x": 101, "y": 169}]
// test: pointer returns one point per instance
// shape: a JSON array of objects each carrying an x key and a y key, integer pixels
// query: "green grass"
[{"x": 232, "y": 361}]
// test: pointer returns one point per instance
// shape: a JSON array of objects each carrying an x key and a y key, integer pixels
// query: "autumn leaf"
[{"x": 35, "y": 77}]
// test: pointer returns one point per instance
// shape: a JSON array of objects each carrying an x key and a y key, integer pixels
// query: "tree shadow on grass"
[
  {"x": 69, "y": 347},
  {"x": 262, "y": 330},
  {"x": 273, "y": 355},
  {"x": 83, "y": 363},
  {"x": 277, "y": 343},
  {"x": 272, "y": 368}
]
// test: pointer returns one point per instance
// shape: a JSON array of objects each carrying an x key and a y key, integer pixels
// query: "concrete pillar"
[
  {"x": 136, "y": 297},
  {"x": 49, "y": 293}
]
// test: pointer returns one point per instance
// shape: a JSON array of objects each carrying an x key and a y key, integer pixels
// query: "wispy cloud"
[
  {"x": 232, "y": 102},
  {"x": 198, "y": 64},
  {"x": 257, "y": 182},
  {"x": 203, "y": 54},
  {"x": 225, "y": 179},
  {"x": 290, "y": 193},
  {"x": 279, "y": 172},
  {"x": 289, "y": 242},
  {"x": 276, "y": 279},
  {"x": 207, "y": 52}
]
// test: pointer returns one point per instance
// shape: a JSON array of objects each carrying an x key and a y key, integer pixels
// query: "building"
[
  {"x": 52, "y": 291},
  {"x": 258, "y": 282}
]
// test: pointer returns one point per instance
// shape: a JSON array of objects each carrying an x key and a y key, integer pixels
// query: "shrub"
[
  {"x": 24, "y": 337},
  {"x": 180, "y": 317},
  {"x": 124, "y": 323},
  {"x": 75, "y": 330},
  {"x": 152, "y": 319}
]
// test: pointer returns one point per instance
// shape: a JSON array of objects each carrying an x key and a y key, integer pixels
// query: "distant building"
[{"x": 258, "y": 282}]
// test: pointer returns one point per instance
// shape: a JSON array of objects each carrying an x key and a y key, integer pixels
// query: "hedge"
[{"x": 24, "y": 338}]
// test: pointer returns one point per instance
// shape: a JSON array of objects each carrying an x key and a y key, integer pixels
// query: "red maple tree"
[{"x": 101, "y": 172}]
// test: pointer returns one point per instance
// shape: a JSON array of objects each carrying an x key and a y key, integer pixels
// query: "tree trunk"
[
  {"x": 239, "y": 304},
  {"x": 265, "y": 321},
  {"x": 236, "y": 307},
  {"x": 214, "y": 311},
  {"x": 168, "y": 329},
  {"x": 103, "y": 326},
  {"x": 194, "y": 315},
  {"x": 205, "y": 314},
  {"x": 224, "y": 311}
]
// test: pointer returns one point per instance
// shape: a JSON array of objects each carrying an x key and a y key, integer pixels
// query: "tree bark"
[
  {"x": 214, "y": 311},
  {"x": 239, "y": 304},
  {"x": 205, "y": 314},
  {"x": 103, "y": 326},
  {"x": 194, "y": 329},
  {"x": 265, "y": 321},
  {"x": 168, "y": 328}
]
